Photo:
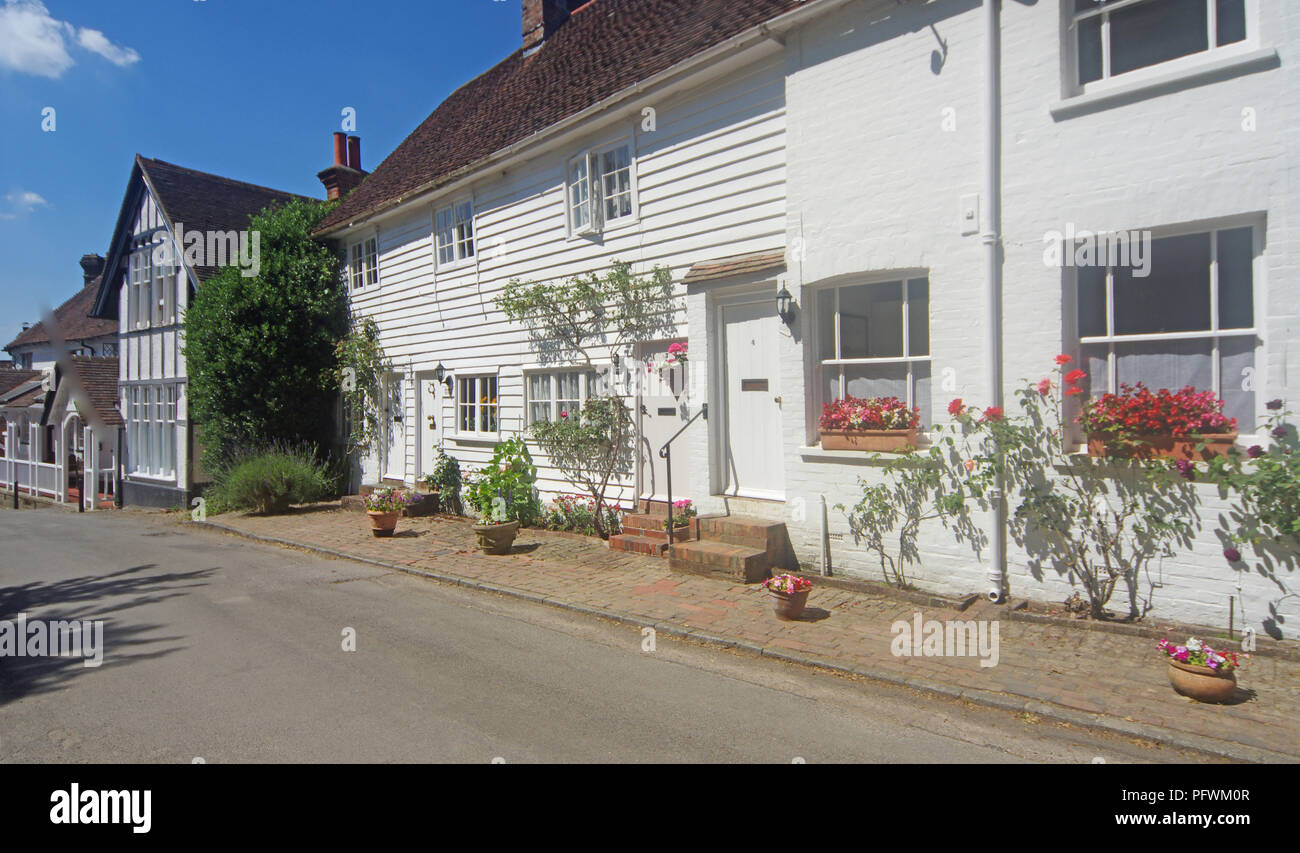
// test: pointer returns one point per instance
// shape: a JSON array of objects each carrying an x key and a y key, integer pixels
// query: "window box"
[
  {"x": 870, "y": 440},
  {"x": 1163, "y": 447}
]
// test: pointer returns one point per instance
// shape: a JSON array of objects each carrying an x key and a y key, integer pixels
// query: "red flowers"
[
  {"x": 1063, "y": 359},
  {"x": 992, "y": 413},
  {"x": 1136, "y": 410},
  {"x": 1072, "y": 391},
  {"x": 1074, "y": 376},
  {"x": 955, "y": 408}
]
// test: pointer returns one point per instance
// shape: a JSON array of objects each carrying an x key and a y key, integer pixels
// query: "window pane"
[
  {"x": 871, "y": 321},
  {"x": 487, "y": 393},
  {"x": 1093, "y": 361},
  {"x": 1166, "y": 364},
  {"x": 1231, "y": 21},
  {"x": 921, "y": 391},
  {"x": 1175, "y": 297},
  {"x": 1236, "y": 367},
  {"x": 1089, "y": 50},
  {"x": 1154, "y": 32},
  {"x": 1236, "y": 297},
  {"x": 918, "y": 316},
  {"x": 539, "y": 397},
  {"x": 1092, "y": 301},
  {"x": 876, "y": 380},
  {"x": 467, "y": 405},
  {"x": 826, "y": 324}
]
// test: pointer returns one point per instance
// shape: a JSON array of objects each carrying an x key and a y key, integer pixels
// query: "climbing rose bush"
[
  {"x": 1137, "y": 410},
  {"x": 875, "y": 413}
]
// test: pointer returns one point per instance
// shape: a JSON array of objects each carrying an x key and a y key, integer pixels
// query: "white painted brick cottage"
[{"x": 891, "y": 165}]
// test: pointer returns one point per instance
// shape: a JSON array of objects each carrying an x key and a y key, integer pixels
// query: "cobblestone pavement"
[{"x": 1120, "y": 677}]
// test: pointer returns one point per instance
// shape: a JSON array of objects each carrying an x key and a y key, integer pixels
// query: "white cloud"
[
  {"x": 96, "y": 42},
  {"x": 21, "y": 203},
  {"x": 34, "y": 42}
]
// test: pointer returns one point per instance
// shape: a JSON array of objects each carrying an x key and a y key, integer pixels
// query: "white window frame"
[
  {"x": 476, "y": 406},
  {"x": 458, "y": 238},
  {"x": 151, "y": 429},
  {"x": 1176, "y": 65},
  {"x": 362, "y": 269},
  {"x": 839, "y": 363},
  {"x": 593, "y": 180},
  {"x": 589, "y": 376},
  {"x": 1214, "y": 334}
]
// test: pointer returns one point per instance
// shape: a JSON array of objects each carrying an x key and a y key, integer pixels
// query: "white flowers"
[{"x": 1193, "y": 644}]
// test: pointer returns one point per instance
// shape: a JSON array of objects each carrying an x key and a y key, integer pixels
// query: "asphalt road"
[{"x": 228, "y": 651}]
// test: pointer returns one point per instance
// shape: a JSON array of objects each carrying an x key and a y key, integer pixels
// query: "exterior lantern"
[{"x": 785, "y": 305}]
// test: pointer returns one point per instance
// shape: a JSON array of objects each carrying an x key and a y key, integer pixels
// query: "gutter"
[{"x": 773, "y": 30}]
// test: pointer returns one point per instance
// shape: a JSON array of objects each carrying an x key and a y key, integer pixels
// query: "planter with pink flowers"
[
  {"x": 880, "y": 424},
  {"x": 789, "y": 595},
  {"x": 1200, "y": 672}
]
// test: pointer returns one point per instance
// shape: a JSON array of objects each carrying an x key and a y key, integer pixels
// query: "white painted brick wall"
[{"x": 874, "y": 184}]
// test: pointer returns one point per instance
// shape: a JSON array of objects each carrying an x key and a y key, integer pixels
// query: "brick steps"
[
  {"x": 712, "y": 557},
  {"x": 644, "y": 533},
  {"x": 740, "y": 547},
  {"x": 634, "y": 544}
]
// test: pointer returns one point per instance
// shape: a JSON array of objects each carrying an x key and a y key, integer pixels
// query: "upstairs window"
[
  {"x": 455, "y": 233},
  {"x": 363, "y": 263},
  {"x": 601, "y": 189},
  {"x": 1114, "y": 37}
]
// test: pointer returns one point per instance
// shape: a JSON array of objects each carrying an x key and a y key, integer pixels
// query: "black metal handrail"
[{"x": 666, "y": 453}]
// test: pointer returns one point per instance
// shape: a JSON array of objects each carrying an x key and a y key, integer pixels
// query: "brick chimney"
[
  {"x": 341, "y": 178},
  {"x": 91, "y": 267},
  {"x": 543, "y": 17}
]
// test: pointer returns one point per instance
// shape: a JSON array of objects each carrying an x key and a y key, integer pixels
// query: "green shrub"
[
  {"x": 446, "y": 481},
  {"x": 268, "y": 479},
  {"x": 504, "y": 491}
]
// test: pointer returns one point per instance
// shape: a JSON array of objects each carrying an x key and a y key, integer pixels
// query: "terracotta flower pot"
[
  {"x": 1202, "y": 683},
  {"x": 382, "y": 523},
  {"x": 788, "y": 605},
  {"x": 1163, "y": 446},
  {"x": 870, "y": 440},
  {"x": 496, "y": 538}
]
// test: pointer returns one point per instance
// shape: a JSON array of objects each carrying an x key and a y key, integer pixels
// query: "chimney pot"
[
  {"x": 354, "y": 152},
  {"x": 340, "y": 148}
]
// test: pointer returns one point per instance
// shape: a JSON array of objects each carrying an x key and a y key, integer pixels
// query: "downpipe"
[{"x": 992, "y": 240}]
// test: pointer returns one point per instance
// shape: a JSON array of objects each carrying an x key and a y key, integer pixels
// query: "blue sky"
[{"x": 248, "y": 89}]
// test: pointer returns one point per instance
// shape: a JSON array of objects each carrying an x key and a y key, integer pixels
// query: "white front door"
[
  {"x": 395, "y": 418},
  {"x": 662, "y": 415},
  {"x": 753, "y": 458},
  {"x": 428, "y": 421}
]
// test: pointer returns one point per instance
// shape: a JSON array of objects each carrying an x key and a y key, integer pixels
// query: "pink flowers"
[
  {"x": 787, "y": 584},
  {"x": 1232, "y": 555},
  {"x": 1196, "y": 653},
  {"x": 1045, "y": 387},
  {"x": 876, "y": 413},
  {"x": 676, "y": 353}
]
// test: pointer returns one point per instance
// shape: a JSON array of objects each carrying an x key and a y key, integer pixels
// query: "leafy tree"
[
  {"x": 589, "y": 447},
  {"x": 260, "y": 349},
  {"x": 567, "y": 318}
]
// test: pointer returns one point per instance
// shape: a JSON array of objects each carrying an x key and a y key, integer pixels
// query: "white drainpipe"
[
  {"x": 826, "y": 541},
  {"x": 992, "y": 239}
]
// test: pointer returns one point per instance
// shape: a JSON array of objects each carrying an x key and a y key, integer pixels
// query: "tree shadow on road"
[{"x": 110, "y": 598}]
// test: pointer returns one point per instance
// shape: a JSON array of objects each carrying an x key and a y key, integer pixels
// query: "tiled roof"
[
  {"x": 604, "y": 48},
  {"x": 74, "y": 320},
  {"x": 734, "y": 265},
  {"x": 205, "y": 202},
  {"x": 11, "y": 379},
  {"x": 25, "y": 394},
  {"x": 99, "y": 378}
]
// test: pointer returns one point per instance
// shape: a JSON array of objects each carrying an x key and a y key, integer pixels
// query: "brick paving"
[{"x": 1118, "y": 677}]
